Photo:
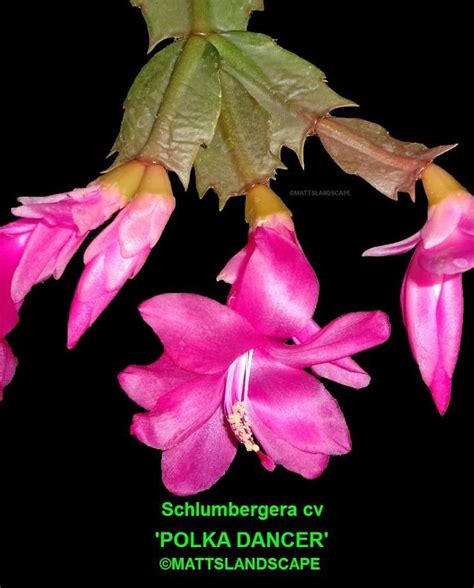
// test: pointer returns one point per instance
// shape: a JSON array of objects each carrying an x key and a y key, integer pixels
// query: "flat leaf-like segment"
[
  {"x": 290, "y": 89},
  {"x": 239, "y": 154},
  {"x": 181, "y": 18},
  {"x": 143, "y": 103},
  {"x": 367, "y": 150},
  {"x": 173, "y": 107},
  {"x": 175, "y": 112}
]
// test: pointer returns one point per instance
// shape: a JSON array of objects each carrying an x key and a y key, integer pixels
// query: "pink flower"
[
  {"x": 432, "y": 294},
  {"x": 31, "y": 252},
  {"x": 222, "y": 382},
  {"x": 42, "y": 242},
  {"x": 273, "y": 269},
  {"x": 228, "y": 377},
  {"x": 121, "y": 250}
]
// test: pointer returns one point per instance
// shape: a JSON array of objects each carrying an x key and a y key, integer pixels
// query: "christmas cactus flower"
[
  {"x": 229, "y": 377},
  {"x": 50, "y": 230},
  {"x": 121, "y": 250},
  {"x": 267, "y": 269},
  {"x": 432, "y": 293}
]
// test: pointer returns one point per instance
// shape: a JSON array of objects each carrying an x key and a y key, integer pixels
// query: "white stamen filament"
[{"x": 236, "y": 401}]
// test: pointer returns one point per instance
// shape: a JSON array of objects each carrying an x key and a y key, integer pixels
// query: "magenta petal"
[
  {"x": 296, "y": 407},
  {"x": 55, "y": 210},
  {"x": 138, "y": 227},
  {"x": 96, "y": 206},
  {"x": 198, "y": 333},
  {"x": 83, "y": 209},
  {"x": 115, "y": 256},
  {"x": 13, "y": 239},
  {"x": 145, "y": 385},
  {"x": 90, "y": 299},
  {"x": 344, "y": 371},
  {"x": 444, "y": 219},
  {"x": 433, "y": 311},
  {"x": 454, "y": 256},
  {"x": 101, "y": 280},
  {"x": 8, "y": 365},
  {"x": 64, "y": 256},
  {"x": 308, "y": 465},
  {"x": 143, "y": 223},
  {"x": 345, "y": 336},
  {"x": 276, "y": 289},
  {"x": 177, "y": 414},
  {"x": 44, "y": 256},
  {"x": 394, "y": 248},
  {"x": 234, "y": 266},
  {"x": 201, "y": 460}
]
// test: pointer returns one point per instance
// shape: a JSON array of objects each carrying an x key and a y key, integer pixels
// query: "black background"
[{"x": 79, "y": 496}]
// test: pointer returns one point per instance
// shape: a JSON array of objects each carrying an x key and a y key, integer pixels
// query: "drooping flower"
[
  {"x": 121, "y": 250},
  {"x": 432, "y": 293},
  {"x": 273, "y": 269},
  {"x": 48, "y": 233},
  {"x": 31, "y": 252},
  {"x": 228, "y": 376}
]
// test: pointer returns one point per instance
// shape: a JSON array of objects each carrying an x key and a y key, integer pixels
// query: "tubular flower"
[
  {"x": 41, "y": 244},
  {"x": 273, "y": 269},
  {"x": 50, "y": 230},
  {"x": 432, "y": 293},
  {"x": 121, "y": 250},
  {"x": 225, "y": 380}
]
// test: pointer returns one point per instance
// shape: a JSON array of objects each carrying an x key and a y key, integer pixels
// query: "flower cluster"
[
  {"x": 245, "y": 373},
  {"x": 49, "y": 231},
  {"x": 235, "y": 374}
]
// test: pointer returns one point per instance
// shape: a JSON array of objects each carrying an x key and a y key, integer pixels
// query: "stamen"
[
  {"x": 247, "y": 367},
  {"x": 235, "y": 406},
  {"x": 240, "y": 424}
]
